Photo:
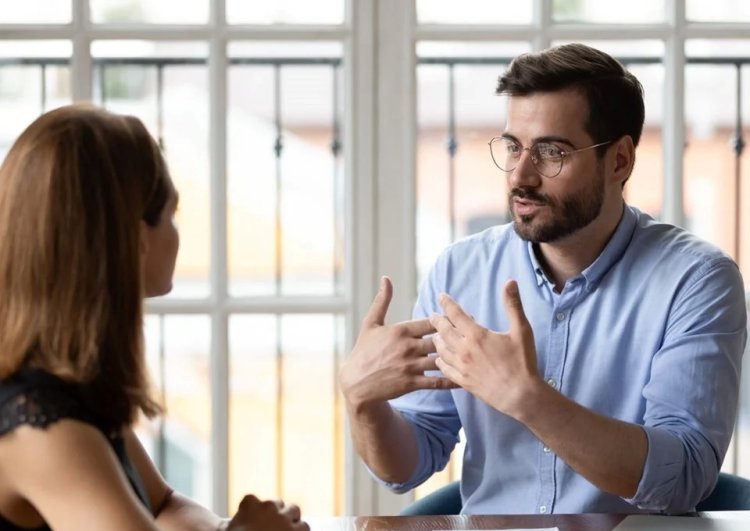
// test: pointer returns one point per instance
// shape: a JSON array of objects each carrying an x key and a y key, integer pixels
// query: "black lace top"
[{"x": 39, "y": 399}]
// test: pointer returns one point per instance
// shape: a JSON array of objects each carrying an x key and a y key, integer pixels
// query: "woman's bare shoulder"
[{"x": 65, "y": 466}]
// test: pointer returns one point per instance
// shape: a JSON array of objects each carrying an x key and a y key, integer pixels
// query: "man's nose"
[{"x": 525, "y": 174}]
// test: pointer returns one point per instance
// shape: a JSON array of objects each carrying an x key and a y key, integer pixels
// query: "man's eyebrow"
[
  {"x": 554, "y": 138},
  {"x": 547, "y": 138}
]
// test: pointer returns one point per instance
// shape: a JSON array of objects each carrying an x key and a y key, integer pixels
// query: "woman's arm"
[
  {"x": 171, "y": 510},
  {"x": 174, "y": 511}
]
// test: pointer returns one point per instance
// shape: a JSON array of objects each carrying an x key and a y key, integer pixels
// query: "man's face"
[{"x": 549, "y": 209}]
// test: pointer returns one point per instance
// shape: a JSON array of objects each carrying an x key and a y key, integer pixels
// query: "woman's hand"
[{"x": 256, "y": 515}]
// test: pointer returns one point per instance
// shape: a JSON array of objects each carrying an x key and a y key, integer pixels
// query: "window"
[
  {"x": 694, "y": 76},
  {"x": 245, "y": 350},
  {"x": 319, "y": 145}
]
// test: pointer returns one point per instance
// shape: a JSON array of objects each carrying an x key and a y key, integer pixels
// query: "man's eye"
[
  {"x": 548, "y": 151},
  {"x": 512, "y": 147}
]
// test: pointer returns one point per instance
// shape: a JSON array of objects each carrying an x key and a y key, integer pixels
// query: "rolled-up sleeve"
[
  {"x": 435, "y": 422},
  {"x": 691, "y": 398},
  {"x": 431, "y": 414}
]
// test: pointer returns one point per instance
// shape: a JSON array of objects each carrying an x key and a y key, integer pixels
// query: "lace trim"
[{"x": 38, "y": 407}]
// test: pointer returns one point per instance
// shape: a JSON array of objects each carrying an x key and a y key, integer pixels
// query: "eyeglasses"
[{"x": 546, "y": 157}]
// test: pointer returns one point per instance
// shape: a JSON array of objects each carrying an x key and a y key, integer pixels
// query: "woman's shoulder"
[
  {"x": 36, "y": 398},
  {"x": 64, "y": 467}
]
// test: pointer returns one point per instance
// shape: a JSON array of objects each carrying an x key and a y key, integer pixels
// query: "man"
[{"x": 613, "y": 387}]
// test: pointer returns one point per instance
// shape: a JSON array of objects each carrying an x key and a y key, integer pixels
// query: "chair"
[
  {"x": 445, "y": 500},
  {"x": 732, "y": 493}
]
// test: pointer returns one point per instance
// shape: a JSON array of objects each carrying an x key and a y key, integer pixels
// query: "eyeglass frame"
[{"x": 563, "y": 154}]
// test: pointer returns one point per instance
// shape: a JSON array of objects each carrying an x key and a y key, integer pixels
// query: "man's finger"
[
  {"x": 422, "y": 346},
  {"x": 417, "y": 327},
  {"x": 379, "y": 307},
  {"x": 447, "y": 331},
  {"x": 425, "y": 363},
  {"x": 455, "y": 313},
  {"x": 514, "y": 307},
  {"x": 442, "y": 348},
  {"x": 433, "y": 382},
  {"x": 449, "y": 371}
]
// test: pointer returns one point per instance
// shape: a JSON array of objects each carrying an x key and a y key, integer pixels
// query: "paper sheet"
[
  {"x": 713, "y": 521},
  {"x": 524, "y": 529}
]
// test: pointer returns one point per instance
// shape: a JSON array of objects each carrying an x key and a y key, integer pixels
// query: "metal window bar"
[{"x": 160, "y": 453}]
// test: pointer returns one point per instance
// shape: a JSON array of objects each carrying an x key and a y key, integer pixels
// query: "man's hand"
[
  {"x": 389, "y": 361},
  {"x": 498, "y": 368}
]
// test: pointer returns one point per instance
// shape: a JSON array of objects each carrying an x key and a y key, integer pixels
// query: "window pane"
[
  {"x": 285, "y": 410},
  {"x": 285, "y": 200},
  {"x": 645, "y": 188},
  {"x": 285, "y": 12},
  {"x": 157, "y": 82},
  {"x": 717, "y": 11},
  {"x": 716, "y": 173},
  {"x": 473, "y": 12},
  {"x": 595, "y": 11},
  {"x": 36, "y": 12},
  {"x": 34, "y": 77},
  {"x": 177, "y": 349},
  {"x": 711, "y": 164},
  {"x": 464, "y": 194},
  {"x": 145, "y": 11}
]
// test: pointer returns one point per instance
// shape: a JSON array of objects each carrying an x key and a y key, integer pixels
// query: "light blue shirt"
[{"x": 651, "y": 333}]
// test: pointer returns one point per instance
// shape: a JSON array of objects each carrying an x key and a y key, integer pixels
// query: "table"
[{"x": 564, "y": 522}]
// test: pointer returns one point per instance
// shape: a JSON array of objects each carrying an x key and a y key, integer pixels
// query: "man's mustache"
[{"x": 529, "y": 195}]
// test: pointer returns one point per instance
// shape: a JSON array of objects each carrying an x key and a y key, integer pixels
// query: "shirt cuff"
[{"x": 664, "y": 462}]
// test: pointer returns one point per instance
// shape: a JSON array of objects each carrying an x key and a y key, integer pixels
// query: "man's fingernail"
[{"x": 513, "y": 288}]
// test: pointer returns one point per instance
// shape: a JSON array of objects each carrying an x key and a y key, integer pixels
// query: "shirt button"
[
  {"x": 560, "y": 316},
  {"x": 546, "y": 449},
  {"x": 542, "y": 509},
  {"x": 552, "y": 383}
]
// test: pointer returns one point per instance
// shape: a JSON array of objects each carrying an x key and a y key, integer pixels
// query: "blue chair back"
[
  {"x": 445, "y": 500},
  {"x": 732, "y": 493}
]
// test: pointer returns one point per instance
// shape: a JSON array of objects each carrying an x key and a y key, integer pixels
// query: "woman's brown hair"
[{"x": 74, "y": 188}]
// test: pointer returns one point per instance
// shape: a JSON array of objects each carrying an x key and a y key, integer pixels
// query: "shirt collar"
[{"x": 612, "y": 252}]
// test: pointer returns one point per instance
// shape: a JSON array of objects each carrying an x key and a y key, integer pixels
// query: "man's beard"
[{"x": 569, "y": 214}]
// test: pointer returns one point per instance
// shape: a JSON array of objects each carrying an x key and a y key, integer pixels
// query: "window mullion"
[
  {"x": 542, "y": 21},
  {"x": 217, "y": 71},
  {"x": 81, "y": 60},
  {"x": 674, "y": 115}
]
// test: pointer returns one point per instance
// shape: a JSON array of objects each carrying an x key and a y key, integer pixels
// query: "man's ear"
[{"x": 624, "y": 158}]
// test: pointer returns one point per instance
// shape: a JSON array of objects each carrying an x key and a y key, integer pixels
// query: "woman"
[{"x": 87, "y": 231}]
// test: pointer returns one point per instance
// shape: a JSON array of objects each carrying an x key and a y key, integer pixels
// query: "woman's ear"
[{"x": 143, "y": 230}]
